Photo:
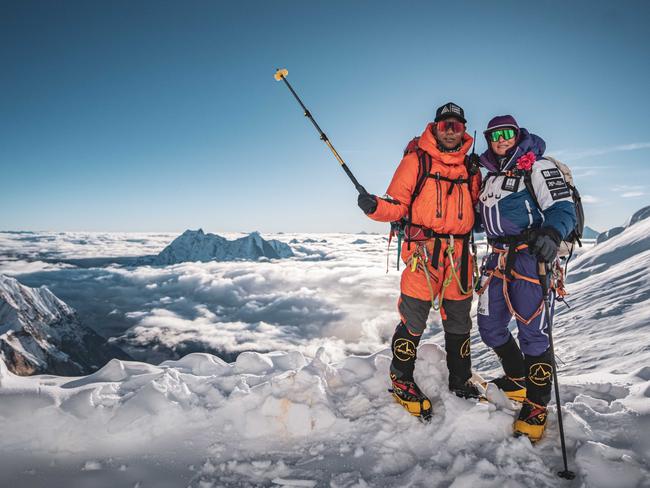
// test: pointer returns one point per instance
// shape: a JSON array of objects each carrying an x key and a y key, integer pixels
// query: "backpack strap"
[
  {"x": 491, "y": 174},
  {"x": 453, "y": 181},
  {"x": 424, "y": 167},
  {"x": 424, "y": 172},
  {"x": 528, "y": 181}
]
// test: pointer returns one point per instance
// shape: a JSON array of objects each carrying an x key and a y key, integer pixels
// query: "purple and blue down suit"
[{"x": 507, "y": 210}]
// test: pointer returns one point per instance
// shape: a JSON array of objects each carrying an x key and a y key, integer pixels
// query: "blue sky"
[{"x": 162, "y": 116}]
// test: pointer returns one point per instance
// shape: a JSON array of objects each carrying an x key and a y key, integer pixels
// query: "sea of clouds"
[{"x": 335, "y": 293}]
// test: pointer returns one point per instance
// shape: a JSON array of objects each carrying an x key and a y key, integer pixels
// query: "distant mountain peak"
[
  {"x": 39, "y": 333},
  {"x": 589, "y": 233},
  {"x": 192, "y": 246}
]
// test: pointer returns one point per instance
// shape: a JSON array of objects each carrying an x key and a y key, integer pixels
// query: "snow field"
[{"x": 281, "y": 419}]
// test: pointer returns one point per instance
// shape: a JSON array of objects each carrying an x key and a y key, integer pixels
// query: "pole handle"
[{"x": 543, "y": 272}]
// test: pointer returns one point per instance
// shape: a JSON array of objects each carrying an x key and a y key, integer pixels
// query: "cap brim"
[{"x": 450, "y": 115}]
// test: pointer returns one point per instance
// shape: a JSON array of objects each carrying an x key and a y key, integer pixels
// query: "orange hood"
[{"x": 429, "y": 144}]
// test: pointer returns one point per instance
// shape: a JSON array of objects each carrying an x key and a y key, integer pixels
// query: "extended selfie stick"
[{"x": 281, "y": 74}]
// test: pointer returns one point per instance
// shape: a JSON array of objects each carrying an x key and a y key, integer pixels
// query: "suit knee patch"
[
  {"x": 414, "y": 313},
  {"x": 458, "y": 319}
]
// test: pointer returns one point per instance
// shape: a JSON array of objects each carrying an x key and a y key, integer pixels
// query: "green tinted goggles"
[{"x": 507, "y": 134}]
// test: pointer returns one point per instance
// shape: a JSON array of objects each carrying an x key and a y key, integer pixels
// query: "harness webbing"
[
  {"x": 499, "y": 272},
  {"x": 419, "y": 259}
]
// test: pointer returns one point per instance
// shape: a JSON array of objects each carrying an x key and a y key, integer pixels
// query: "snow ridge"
[
  {"x": 633, "y": 241},
  {"x": 637, "y": 216}
]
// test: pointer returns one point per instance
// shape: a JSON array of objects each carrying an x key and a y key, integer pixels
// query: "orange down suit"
[{"x": 434, "y": 208}]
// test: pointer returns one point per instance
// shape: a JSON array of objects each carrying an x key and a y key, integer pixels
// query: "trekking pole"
[
  {"x": 543, "y": 270},
  {"x": 476, "y": 277},
  {"x": 281, "y": 74}
]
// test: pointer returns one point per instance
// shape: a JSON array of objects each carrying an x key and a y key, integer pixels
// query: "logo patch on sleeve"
[
  {"x": 555, "y": 184},
  {"x": 558, "y": 194},
  {"x": 510, "y": 183},
  {"x": 551, "y": 173}
]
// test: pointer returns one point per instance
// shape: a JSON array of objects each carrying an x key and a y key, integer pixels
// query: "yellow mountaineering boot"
[
  {"x": 513, "y": 382},
  {"x": 513, "y": 388},
  {"x": 409, "y": 396},
  {"x": 404, "y": 390},
  {"x": 532, "y": 417},
  {"x": 531, "y": 421}
]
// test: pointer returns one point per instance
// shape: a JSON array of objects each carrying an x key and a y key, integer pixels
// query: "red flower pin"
[{"x": 526, "y": 161}]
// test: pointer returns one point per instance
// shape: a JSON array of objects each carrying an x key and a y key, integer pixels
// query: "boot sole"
[
  {"x": 534, "y": 438},
  {"x": 420, "y": 409}
]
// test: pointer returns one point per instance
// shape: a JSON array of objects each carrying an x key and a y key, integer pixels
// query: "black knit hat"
[{"x": 448, "y": 110}]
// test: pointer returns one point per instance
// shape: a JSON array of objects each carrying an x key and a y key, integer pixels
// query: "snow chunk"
[
  {"x": 288, "y": 482},
  {"x": 605, "y": 466},
  {"x": 253, "y": 363},
  {"x": 92, "y": 466},
  {"x": 200, "y": 364},
  {"x": 285, "y": 361}
]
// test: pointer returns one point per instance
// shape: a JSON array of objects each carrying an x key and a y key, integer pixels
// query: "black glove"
[
  {"x": 544, "y": 243},
  {"x": 367, "y": 203},
  {"x": 473, "y": 163}
]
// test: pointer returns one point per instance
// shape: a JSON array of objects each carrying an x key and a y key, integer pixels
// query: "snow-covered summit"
[
  {"x": 195, "y": 245},
  {"x": 619, "y": 244},
  {"x": 39, "y": 333},
  {"x": 637, "y": 216}
]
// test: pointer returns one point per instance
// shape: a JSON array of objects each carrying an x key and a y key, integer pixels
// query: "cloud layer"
[{"x": 336, "y": 293}]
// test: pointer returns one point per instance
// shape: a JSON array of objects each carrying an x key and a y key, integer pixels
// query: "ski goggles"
[
  {"x": 507, "y": 134},
  {"x": 445, "y": 125}
]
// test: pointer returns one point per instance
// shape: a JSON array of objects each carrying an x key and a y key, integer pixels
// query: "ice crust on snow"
[{"x": 198, "y": 246}]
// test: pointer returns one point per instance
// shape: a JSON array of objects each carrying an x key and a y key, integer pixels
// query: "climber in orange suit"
[{"x": 433, "y": 194}]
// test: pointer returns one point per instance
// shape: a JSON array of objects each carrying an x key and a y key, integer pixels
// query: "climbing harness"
[
  {"x": 506, "y": 273},
  {"x": 421, "y": 259}
]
